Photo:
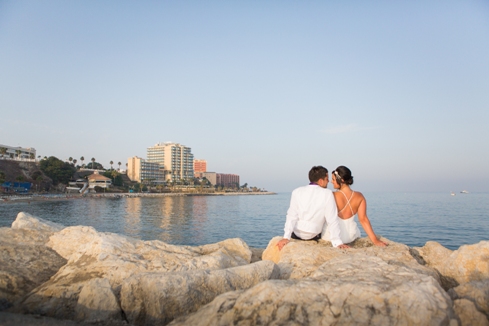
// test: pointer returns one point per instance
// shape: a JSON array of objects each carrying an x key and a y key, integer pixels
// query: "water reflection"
[
  {"x": 409, "y": 218},
  {"x": 132, "y": 217}
]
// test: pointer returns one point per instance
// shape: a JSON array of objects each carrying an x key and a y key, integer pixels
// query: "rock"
[
  {"x": 93, "y": 255},
  {"x": 468, "y": 263},
  {"x": 347, "y": 290},
  {"x": 97, "y": 302},
  {"x": 299, "y": 259},
  {"x": 468, "y": 313},
  {"x": 23, "y": 268},
  {"x": 256, "y": 254},
  {"x": 25, "y": 261},
  {"x": 477, "y": 292},
  {"x": 157, "y": 298},
  {"x": 27, "y": 221}
]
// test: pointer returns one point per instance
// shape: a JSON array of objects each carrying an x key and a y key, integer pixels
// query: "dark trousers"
[{"x": 316, "y": 238}]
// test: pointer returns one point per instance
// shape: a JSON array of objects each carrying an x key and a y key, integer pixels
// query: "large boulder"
[
  {"x": 347, "y": 290},
  {"x": 299, "y": 259},
  {"x": 471, "y": 302},
  {"x": 25, "y": 261},
  {"x": 115, "y": 258},
  {"x": 466, "y": 264},
  {"x": 97, "y": 301},
  {"x": 157, "y": 298}
]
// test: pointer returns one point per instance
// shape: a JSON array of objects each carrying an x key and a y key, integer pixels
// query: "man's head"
[{"x": 319, "y": 174}]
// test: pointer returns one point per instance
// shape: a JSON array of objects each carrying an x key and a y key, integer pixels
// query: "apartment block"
[
  {"x": 227, "y": 180},
  {"x": 138, "y": 169},
  {"x": 222, "y": 179},
  {"x": 17, "y": 153},
  {"x": 177, "y": 161}
]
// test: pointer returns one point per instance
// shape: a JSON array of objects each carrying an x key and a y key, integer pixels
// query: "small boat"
[
  {"x": 452, "y": 193},
  {"x": 464, "y": 192}
]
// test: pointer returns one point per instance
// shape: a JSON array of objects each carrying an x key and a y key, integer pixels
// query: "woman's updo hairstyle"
[{"x": 343, "y": 175}]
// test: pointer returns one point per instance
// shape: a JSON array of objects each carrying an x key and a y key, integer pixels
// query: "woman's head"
[{"x": 342, "y": 175}]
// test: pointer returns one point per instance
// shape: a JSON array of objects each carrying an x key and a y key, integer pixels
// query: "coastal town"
[{"x": 169, "y": 168}]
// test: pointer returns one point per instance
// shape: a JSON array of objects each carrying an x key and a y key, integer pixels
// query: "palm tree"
[
  {"x": 82, "y": 159},
  {"x": 74, "y": 162},
  {"x": 111, "y": 162},
  {"x": 70, "y": 159},
  {"x": 119, "y": 165},
  {"x": 18, "y": 151},
  {"x": 93, "y": 162}
]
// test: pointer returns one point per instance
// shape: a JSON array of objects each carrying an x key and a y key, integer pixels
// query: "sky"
[{"x": 398, "y": 91}]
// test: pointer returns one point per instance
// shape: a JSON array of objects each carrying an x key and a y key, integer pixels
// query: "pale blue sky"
[{"x": 396, "y": 90}]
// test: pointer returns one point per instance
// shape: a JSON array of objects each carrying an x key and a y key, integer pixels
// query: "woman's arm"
[{"x": 363, "y": 218}]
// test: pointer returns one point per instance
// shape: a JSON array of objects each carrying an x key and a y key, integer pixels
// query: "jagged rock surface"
[{"x": 79, "y": 274}]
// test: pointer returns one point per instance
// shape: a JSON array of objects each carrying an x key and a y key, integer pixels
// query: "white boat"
[
  {"x": 452, "y": 193},
  {"x": 464, "y": 192}
]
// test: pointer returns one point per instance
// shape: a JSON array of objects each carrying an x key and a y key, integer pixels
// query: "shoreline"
[{"x": 45, "y": 197}]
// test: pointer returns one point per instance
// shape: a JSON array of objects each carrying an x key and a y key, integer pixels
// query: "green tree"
[
  {"x": 18, "y": 151},
  {"x": 3, "y": 150},
  {"x": 111, "y": 162},
  {"x": 57, "y": 170},
  {"x": 20, "y": 178},
  {"x": 32, "y": 156},
  {"x": 70, "y": 159},
  {"x": 2, "y": 177},
  {"x": 93, "y": 162},
  {"x": 119, "y": 165},
  {"x": 74, "y": 162},
  {"x": 82, "y": 159}
]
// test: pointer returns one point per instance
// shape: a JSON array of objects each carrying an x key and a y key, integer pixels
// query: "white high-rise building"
[{"x": 177, "y": 161}]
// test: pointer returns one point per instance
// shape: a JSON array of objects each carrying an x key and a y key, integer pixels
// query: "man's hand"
[
  {"x": 343, "y": 246},
  {"x": 282, "y": 243}
]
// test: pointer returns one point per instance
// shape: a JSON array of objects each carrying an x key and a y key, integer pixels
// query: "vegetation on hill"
[{"x": 57, "y": 170}]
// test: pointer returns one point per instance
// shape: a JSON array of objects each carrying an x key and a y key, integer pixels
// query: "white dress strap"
[{"x": 347, "y": 202}]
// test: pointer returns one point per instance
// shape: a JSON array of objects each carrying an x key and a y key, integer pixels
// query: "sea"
[{"x": 409, "y": 218}]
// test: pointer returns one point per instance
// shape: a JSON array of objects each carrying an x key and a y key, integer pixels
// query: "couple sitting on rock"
[{"x": 316, "y": 212}]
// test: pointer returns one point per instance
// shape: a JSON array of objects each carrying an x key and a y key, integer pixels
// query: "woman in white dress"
[{"x": 349, "y": 204}]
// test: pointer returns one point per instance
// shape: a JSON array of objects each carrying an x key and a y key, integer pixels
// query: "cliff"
[{"x": 76, "y": 274}]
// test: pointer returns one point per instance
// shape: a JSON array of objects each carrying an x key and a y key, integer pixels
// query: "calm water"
[{"x": 410, "y": 218}]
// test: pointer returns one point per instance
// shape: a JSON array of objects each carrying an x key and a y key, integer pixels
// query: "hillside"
[{"x": 28, "y": 170}]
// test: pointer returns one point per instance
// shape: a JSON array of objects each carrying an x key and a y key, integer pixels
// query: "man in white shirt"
[{"x": 310, "y": 208}]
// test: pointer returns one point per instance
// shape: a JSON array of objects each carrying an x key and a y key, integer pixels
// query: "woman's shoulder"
[{"x": 358, "y": 197}]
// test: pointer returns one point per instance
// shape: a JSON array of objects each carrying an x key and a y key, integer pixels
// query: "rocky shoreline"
[
  {"x": 33, "y": 198},
  {"x": 56, "y": 275}
]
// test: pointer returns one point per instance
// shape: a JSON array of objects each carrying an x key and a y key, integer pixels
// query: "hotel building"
[{"x": 176, "y": 161}]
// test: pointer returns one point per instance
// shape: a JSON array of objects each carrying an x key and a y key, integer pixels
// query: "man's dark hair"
[{"x": 317, "y": 172}]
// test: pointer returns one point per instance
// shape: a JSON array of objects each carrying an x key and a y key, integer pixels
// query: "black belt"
[{"x": 316, "y": 238}]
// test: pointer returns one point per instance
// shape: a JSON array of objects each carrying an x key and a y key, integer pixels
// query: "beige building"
[
  {"x": 139, "y": 170},
  {"x": 98, "y": 180},
  {"x": 177, "y": 161}
]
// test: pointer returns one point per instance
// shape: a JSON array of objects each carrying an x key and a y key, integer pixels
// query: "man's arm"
[
  {"x": 331, "y": 216},
  {"x": 290, "y": 221}
]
